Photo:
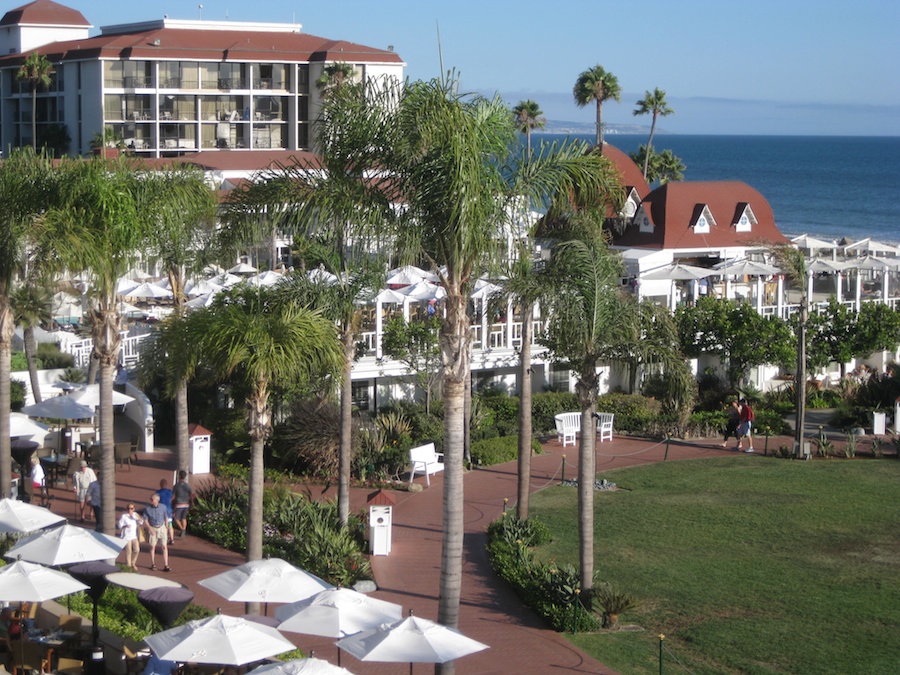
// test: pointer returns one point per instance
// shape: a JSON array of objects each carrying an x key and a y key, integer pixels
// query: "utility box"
[
  {"x": 199, "y": 440},
  {"x": 878, "y": 423},
  {"x": 381, "y": 506}
]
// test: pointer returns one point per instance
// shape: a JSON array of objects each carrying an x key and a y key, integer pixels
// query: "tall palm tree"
[
  {"x": 529, "y": 116},
  {"x": 455, "y": 174},
  {"x": 596, "y": 85},
  {"x": 26, "y": 188},
  {"x": 586, "y": 327},
  {"x": 98, "y": 229},
  {"x": 654, "y": 103},
  {"x": 183, "y": 208},
  {"x": 339, "y": 210},
  {"x": 31, "y": 304},
  {"x": 250, "y": 337},
  {"x": 334, "y": 76},
  {"x": 36, "y": 71}
]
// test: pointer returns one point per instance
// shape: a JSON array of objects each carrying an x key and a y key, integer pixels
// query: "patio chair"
[
  {"x": 67, "y": 666},
  {"x": 71, "y": 623},
  {"x": 27, "y": 656},
  {"x": 605, "y": 426},
  {"x": 73, "y": 467},
  {"x": 134, "y": 662},
  {"x": 123, "y": 454}
]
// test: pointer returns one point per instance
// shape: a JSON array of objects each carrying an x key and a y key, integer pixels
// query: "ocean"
[{"x": 827, "y": 186}]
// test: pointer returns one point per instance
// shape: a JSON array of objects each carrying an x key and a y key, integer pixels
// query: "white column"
[
  {"x": 780, "y": 294},
  {"x": 759, "y": 293},
  {"x": 858, "y": 289},
  {"x": 672, "y": 297},
  {"x": 838, "y": 285},
  {"x": 379, "y": 328},
  {"x": 809, "y": 287},
  {"x": 509, "y": 324},
  {"x": 885, "y": 282}
]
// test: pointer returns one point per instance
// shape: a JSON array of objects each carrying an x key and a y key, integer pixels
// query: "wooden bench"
[
  {"x": 568, "y": 426},
  {"x": 425, "y": 459}
]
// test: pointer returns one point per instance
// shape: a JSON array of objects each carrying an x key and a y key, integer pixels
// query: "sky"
[{"x": 812, "y": 67}]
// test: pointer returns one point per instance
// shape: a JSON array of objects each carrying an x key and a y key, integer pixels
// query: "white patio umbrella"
[
  {"x": 336, "y": 612},
  {"x": 21, "y": 425},
  {"x": 485, "y": 290},
  {"x": 310, "y": 666},
  {"x": 868, "y": 245},
  {"x": 220, "y": 639},
  {"x": 202, "y": 287},
  {"x": 124, "y": 284},
  {"x": 68, "y": 314},
  {"x": 321, "y": 276},
  {"x": 411, "y": 640},
  {"x": 59, "y": 408},
  {"x": 678, "y": 272},
  {"x": 89, "y": 395},
  {"x": 148, "y": 291},
  {"x": 389, "y": 295},
  {"x": 26, "y": 582},
  {"x": 270, "y": 580},
  {"x": 16, "y": 516},
  {"x": 424, "y": 290},
  {"x": 227, "y": 279},
  {"x": 809, "y": 243},
  {"x": 826, "y": 266},
  {"x": 871, "y": 263},
  {"x": 243, "y": 268},
  {"x": 66, "y": 545},
  {"x": 409, "y": 275},
  {"x": 745, "y": 267},
  {"x": 200, "y": 301},
  {"x": 267, "y": 278}
]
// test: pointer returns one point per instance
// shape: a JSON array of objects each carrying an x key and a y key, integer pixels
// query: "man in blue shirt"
[
  {"x": 157, "y": 518},
  {"x": 165, "y": 498}
]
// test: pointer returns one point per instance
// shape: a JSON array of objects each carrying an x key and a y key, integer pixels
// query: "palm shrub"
[
  {"x": 307, "y": 441},
  {"x": 490, "y": 451}
]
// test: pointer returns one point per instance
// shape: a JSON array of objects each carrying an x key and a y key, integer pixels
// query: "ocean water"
[{"x": 827, "y": 186}]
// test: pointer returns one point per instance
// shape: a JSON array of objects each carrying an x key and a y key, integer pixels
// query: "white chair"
[
  {"x": 568, "y": 425},
  {"x": 425, "y": 459},
  {"x": 605, "y": 426}
]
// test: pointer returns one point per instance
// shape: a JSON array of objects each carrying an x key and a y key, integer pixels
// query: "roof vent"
[{"x": 156, "y": 42}]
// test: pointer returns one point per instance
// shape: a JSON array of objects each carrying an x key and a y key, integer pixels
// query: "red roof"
[
  {"x": 189, "y": 44},
  {"x": 44, "y": 13},
  {"x": 630, "y": 175},
  {"x": 673, "y": 209},
  {"x": 195, "y": 429},
  {"x": 237, "y": 160}
]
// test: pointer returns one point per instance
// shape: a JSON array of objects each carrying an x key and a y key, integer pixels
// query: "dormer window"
[
  {"x": 704, "y": 221},
  {"x": 632, "y": 201},
  {"x": 645, "y": 225},
  {"x": 745, "y": 219}
]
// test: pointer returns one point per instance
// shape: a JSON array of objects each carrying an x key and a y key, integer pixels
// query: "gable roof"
[
  {"x": 629, "y": 173},
  {"x": 673, "y": 209},
  {"x": 44, "y": 13}
]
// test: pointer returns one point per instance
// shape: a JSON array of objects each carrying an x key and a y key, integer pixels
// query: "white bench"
[
  {"x": 425, "y": 459},
  {"x": 568, "y": 425},
  {"x": 605, "y": 426}
]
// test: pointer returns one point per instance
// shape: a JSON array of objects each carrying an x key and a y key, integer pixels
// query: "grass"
[{"x": 745, "y": 564}]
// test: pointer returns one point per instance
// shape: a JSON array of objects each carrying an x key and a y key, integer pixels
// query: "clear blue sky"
[{"x": 728, "y": 66}]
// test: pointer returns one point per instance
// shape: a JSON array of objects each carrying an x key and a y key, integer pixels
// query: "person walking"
[
  {"x": 165, "y": 498},
  {"x": 182, "y": 501},
  {"x": 82, "y": 479},
  {"x": 157, "y": 518},
  {"x": 128, "y": 525},
  {"x": 93, "y": 496},
  {"x": 734, "y": 419},
  {"x": 745, "y": 426}
]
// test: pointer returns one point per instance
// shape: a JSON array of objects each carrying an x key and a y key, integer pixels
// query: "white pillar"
[
  {"x": 379, "y": 328},
  {"x": 759, "y": 293},
  {"x": 885, "y": 278},
  {"x": 858, "y": 289},
  {"x": 780, "y": 294},
  {"x": 838, "y": 285},
  {"x": 809, "y": 288},
  {"x": 509, "y": 324},
  {"x": 672, "y": 298}
]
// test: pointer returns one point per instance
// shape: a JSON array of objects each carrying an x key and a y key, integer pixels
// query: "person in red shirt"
[{"x": 745, "y": 426}]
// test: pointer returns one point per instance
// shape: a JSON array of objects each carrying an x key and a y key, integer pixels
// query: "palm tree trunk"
[
  {"x": 587, "y": 471},
  {"x": 31, "y": 358},
  {"x": 525, "y": 396},
  {"x": 455, "y": 353},
  {"x": 599, "y": 123},
  {"x": 7, "y": 327},
  {"x": 649, "y": 144},
  {"x": 346, "y": 444},
  {"x": 34, "y": 116},
  {"x": 107, "y": 446},
  {"x": 255, "y": 510},
  {"x": 182, "y": 439},
  {"x": 800, "y": 392}
]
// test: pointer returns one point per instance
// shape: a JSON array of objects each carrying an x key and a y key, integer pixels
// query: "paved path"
[{"x": 490, "y": 612}]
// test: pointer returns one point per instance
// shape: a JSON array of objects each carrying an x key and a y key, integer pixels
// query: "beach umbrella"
[
  {"x": 391, "y": 296},
  {"x": 267, "y": 580},
  {"x": 408, "y": 275},
  {"x": 826, "y": 266},
  {"x": 66, "y": 545},
  {"x": 336, "y": 612},
  {"x": 17, "y": 516},
  {"x": 94, "y": 575},
  {"x": 200, "y": 301},
  {"x": 310, "y": 666},
  {"x": 243, "y": 268},
  {"x": 68, "y": 314},
  {"x": 424, "y": 291},
  {"x": 320, "y": 276},
  {"x": 124, "y": 284},
  {"x": 27, "y": 582},
  {"x": 64, "y": 386},
  {"x": 485, "y": 290},
  {"x": 227, "y": 280},
  {"x": 89, "y": 395},
  {"x": 202, "y": 287},
  {"x": 678, "y": 272},
  {"x": 22, "y": 425},
  {"x": 220, "y": 639},
  {"x": 411, "y": 640},
  {"x": 811, "y": 243},
  {"x": 148, "y": 291},
  {"x": 745, "y": 267},
  {"x": 267, "y": 278},
  {"x": 140, "y": 582},
  {"x": 165, "y": 604},
  {"x": 868, "y": 245},
  {"x": 871, "y": 263},
  {"x": 59, "y": 408}
]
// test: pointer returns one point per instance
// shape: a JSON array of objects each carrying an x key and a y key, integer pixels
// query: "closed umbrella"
[
  {"x": 94, "y": 575},
  {"x": 66, "y": 545},
  {"x": 16, "y": 516},
  {"x": 220, "y": 639},
  {"x": 411, "y": 640},
  {"x": 310, "y": 666},
  {"x": 27, "y": 582},
  {"x": 271, "y": 580}
]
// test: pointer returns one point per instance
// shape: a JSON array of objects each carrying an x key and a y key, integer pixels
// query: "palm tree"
[
  {"x": 183, "y": 208},
  {"x": 340, "y": 213},
  {"x": 26, "y": 188},
  {"x": 101, "y": 224},
  {"x": 454, "y": 173},
  {"x": 251, "y": 338},
  {"x": 31, "y": 304},
  {"x": 587, "y": 326},
  {"x": 655, "y": 104},
  {"x": 529, "y": 116},
  {"x": 334, "y": 76},
  {"x": 597, "y": 85},
  {"x": 36, "y": 71}
]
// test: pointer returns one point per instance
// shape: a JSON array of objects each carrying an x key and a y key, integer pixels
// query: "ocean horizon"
[{"x": 829, "y": 187}]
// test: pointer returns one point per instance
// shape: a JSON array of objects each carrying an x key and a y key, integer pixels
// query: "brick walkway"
[{"x": 490, "y": 612}]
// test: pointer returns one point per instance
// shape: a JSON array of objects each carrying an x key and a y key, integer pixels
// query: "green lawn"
[{"x": 746, "y": 564}]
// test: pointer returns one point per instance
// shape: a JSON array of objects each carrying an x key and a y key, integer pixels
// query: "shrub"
[
  {"x": 634, "y": 413},
  {"x": 18, "y": 362},
  {"x": 308, "y": 440},
  {"x": 51, "y": 357},
  {"x": 548, "y": 404},
  {"x": 499, "y": 412},
  {"x": 16, "y": 395},
  {"x": 499, "y": 450}
]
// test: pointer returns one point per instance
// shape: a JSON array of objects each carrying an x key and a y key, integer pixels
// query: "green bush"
[
  {"x": 17, "y": 362},
  {"x": 16, "y": 395},
  {"x": 51, "y": 357},
  {"x": 498, "y": 450},
  {"x": 546, "y": 405},
  {"x": 634, "y": 413},
  {"x": 551, "y": 591},
  {"x": 500, "y": 412}
]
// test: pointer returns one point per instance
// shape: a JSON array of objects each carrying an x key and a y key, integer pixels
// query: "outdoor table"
[
  {"x": 53, "y": 641},
  {"x": 140, "y": 582},
  {"x": 51, "y": 466}
]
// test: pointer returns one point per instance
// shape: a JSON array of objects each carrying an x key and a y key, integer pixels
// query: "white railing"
[{"x": 129, "y": 350}]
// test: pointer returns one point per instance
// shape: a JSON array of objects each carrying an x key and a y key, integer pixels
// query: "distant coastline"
[{"x": 582, "y": 128}]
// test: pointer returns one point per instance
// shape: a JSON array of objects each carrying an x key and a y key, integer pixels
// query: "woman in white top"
[
  {"x": 37, "y": 475},
  {"x": 129, "y": 523}
]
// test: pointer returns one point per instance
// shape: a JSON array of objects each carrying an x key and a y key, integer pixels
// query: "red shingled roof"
[
  {"x": 630, "y": 175},
  {"x": 44, "y": 13},
  {"x": 190, "y": 44},
  {"x": 673, "y": 208}
]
